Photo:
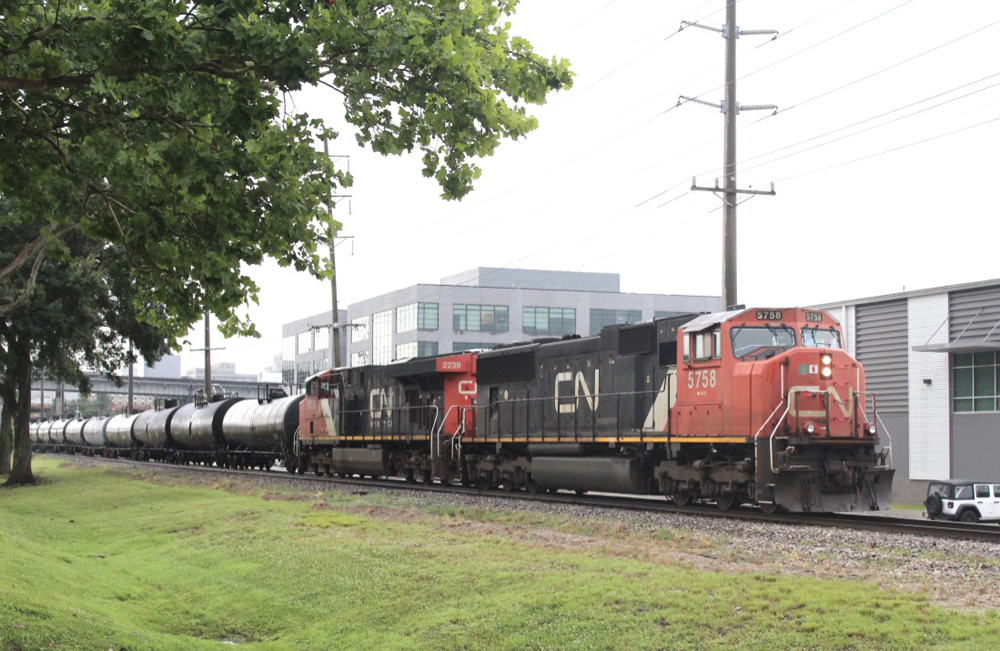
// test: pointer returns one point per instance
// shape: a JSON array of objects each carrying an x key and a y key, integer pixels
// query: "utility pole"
[
  {"x": 730, "y": 108},
  {"x": 208, "y": 357},
  {"x": 335, "y": 314},
  {"x": 128, "y": 410}
]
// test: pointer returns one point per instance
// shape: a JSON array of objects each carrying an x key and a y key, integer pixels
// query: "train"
[{"x": 748, "y": 406}]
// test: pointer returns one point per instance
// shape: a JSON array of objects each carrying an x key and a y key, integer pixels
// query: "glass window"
[
  {"x": 480, "y": 318},
  {"x": 304, "y": 370},
  {"x": 963, "y": 492},
  {"x": 706, "y": 345},
  {"x": 763, "y": 341},
  {"x": 600, "y": 318},
  {"x": 417, "y": 316},
  {"x": 382, "y": 337},
  {"x": 360, "y": 358},
  {"x": 661, "y": 314},
  {"x": 975, "y": 379},
  {"x": 416, "y": 349},
  {"x": 460, "y": 346},
  {"x": 982, "y": 490},
  {"x": 359, "y": 329},
  {"x": 821, "y": 338},
  {"x": 305, "y": 342},
  {"x": 548, "y": 321},
  {"x": 321, "y": 340}
]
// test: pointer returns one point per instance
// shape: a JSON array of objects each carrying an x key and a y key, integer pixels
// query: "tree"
[
  {"x": 80, "y": 315},
  {"x": 157, "y": 126}
]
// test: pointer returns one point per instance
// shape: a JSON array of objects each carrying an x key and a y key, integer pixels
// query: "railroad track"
[{"x": 651, "y": 504}]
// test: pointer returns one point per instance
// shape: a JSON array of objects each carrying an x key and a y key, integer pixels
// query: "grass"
[{"x": 95, "y": 559}]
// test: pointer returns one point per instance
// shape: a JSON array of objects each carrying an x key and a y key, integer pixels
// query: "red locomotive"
[{"x": 759, "y": 406}]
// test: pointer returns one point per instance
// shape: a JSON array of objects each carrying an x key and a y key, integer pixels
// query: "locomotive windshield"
[
  {"x": 761, "y": 342},
  {"x": 820, "y": 338}
]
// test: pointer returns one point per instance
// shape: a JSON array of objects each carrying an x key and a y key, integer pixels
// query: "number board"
[
  {"x": 769, "y": 315},
  {"x": 814, "y": 317}
]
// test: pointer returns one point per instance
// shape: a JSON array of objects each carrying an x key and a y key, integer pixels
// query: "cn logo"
[{"x": 580, "y": 387}]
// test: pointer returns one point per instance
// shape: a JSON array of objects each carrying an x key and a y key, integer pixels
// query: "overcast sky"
[{"x": 883, "y": 155}]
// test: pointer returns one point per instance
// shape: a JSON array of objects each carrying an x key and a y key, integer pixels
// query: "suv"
[{"x": 968, "y": 501}]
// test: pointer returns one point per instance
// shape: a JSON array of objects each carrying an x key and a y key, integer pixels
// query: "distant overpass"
[{"x": 182, "y": 389}]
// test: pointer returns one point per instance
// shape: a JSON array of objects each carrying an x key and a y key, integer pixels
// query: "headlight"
[
  {"x": 827, "y": 360},
  {"x": 871, "y": 429},
  {"x": 826, "y": 372},
  {"x": 810, "y": 429}
]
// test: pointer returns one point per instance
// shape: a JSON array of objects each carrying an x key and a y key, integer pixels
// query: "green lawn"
[{"x": 99, "y": 559}]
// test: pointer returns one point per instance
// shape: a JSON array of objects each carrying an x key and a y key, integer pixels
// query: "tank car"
[
  {"x": 257, "y": 433},
  {"x": 93, "y": 435}
]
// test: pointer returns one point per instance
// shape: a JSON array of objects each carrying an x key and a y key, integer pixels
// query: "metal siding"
[
  {"x": 965, "y": 311},
  {"x": 882, "y": 348},
  {"x": 930, "y": 434}
]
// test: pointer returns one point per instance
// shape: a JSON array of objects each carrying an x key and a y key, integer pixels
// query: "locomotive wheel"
[
  {"x": 681, "y": 499},
  {"x": 770, "y": 509},
  {"x": 533, "y": 488},
  {"x": 508, "y": 486},
  {"x": 410, "y": 479},
  {"x": 427, "y": 478},
  {"x": 485, "y": 483},
  {"x": 580, "y": 491},
  {"x": 726, "y": 501}
]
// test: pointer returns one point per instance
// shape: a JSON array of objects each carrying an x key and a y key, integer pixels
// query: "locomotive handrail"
[
  {"x": 392, "y": 410},
  {"x": 774, "y": 468},
  {"x": 878, "y": 419}
]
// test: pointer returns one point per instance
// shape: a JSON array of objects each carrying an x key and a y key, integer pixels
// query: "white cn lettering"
[
  {"x": 467, "y": 387},
  {"x": 579, "y": 387}
]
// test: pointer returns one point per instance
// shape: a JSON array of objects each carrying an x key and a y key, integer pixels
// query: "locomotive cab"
[{"x": 779, "y": 383}]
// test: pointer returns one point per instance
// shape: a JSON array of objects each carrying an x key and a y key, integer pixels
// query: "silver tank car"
[
  {"x": 200, "y": 427},
  {"x": 57, "y": 431},
  {"x": 262, "y": 426},
  {"x": 155, "y": 435},
  {"x": 93, "y": 431},
  {"x": 142, "y": 421},
  {"x": 33, "y": 432},
  {"x": 118, "y": 433},
  {"x": 74, "y": 431}
]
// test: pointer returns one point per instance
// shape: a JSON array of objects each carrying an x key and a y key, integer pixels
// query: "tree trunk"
[
  {"x": 6, "y": 417},
  {"x": 20, "y": 472}
]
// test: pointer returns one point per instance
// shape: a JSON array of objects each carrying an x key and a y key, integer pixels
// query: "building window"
[
  {"x": 305, "y": 342},
  {"x": 975, "y": 378},
  {"x": 600, "y": 318},
  {"x": 288, "y": 360},
  {"x": 382, "y": 337},
  {"x": 305, "y": 370},
  {"x": 360, "y": 359},
  {"x": 660, "y": 314},
  {"x": 359, "y": 329},
  {"x": 548, "y": 321},
  {"x": 461, "y": 346},
  {"x": 321, "y": 340},
  {"x": 416, "y": 349},
  {"x": 417, "y": 316},
  {"x": 481, "y": 318}
]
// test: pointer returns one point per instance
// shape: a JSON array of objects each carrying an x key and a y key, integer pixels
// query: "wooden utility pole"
[{"x": 730, "y": 109}]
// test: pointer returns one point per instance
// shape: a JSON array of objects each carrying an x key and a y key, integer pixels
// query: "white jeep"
[{"x": 968, "y": 501}]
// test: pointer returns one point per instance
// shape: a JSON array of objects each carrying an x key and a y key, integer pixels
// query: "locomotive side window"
[
  {"x": 687, "y": 348},
  {"x": 763, "y": 341},
  {"x": 707, "y": 345},
  {"x": 820, "y": 338}
]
